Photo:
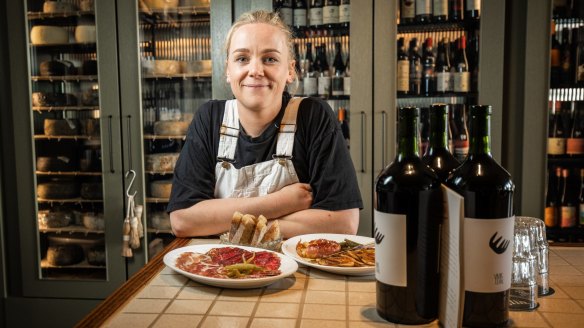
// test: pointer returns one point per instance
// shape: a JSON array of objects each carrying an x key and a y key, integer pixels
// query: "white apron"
[{"x": 261, "y": 178}]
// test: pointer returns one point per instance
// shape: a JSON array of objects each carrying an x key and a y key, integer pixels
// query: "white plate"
[
  {"x": 287, "y": 267},
  {"x": 289, "y": 248}
]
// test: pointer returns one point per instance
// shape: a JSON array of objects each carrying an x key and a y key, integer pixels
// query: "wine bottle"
[
  {"x": 473, "y": 61},
  {"x": 443, "y": 76},
  {"x": 567, "y": 72},
  {"x": 347, "y": 78},
  {"x": 575, "y": 141},
  {"x": 330, "y": 13},
  {"x": 407, "y": 11},
  {"x": 456, "y": 8},
  {"x": 345, "y": 12},
  {"x": 472, "y": 10},
  {"x": 488, "y": 227},
  {"x": 299, "y": 70},
  {"x": 342, "y": 117},
  {"x": 461, "y": 80},
  {"x": 557, "y": 134},
  {"x": 555, "y": 60},
  {"x": 460, "y": 137},
  {"x": 423, "y": 11},
  {"x": 579, "y": 56},
  {"x": 407, "y": 219},
  {"x": 300, "y": 14},
  {"x": 324, "y": 79},
  {"x": 287, "y": 12},
  {"x": 310, "y": 82},
  {"x": 428, "y": 69},
  {"x": 568, "y": 205},
  {"x": 315, "y": 13},
  {"x": 551, "y": 198},
  {"x": 438, "y": 157},
  {"x": 415, "y": 68},
  {"x": 581, "y": 199},
  {"x": 440, "y": 10},
  {"x": 339, "y": 66},
  {"x": 424, "y": 130},
  {"x": 403, "y": 69}
]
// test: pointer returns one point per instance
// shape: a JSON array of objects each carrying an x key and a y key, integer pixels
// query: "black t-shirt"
[{"x": 320, "y": 156}]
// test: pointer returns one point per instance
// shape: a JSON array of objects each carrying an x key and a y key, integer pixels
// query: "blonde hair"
[{"x": 265, "y": 17}]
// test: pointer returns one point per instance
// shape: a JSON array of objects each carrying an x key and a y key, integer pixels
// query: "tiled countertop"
[{"x": 312, "y": 298}]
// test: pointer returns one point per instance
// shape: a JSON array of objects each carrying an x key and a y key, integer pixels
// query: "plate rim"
[
  {"x": 226, "y": 282},
  {"x": 337, "y": 270}
]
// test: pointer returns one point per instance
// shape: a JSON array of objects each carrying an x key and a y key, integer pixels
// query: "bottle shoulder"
[
  {"x": 407, "y": 174},
  {"x": 480, "y": 172}
]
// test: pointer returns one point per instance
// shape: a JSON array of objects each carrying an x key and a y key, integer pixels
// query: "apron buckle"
[
  {"x": 282, "y": 159},
  {"x": 225, "y": 165}
]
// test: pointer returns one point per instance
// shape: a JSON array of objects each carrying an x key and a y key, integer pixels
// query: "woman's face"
[{"x": 258, "y": 66}]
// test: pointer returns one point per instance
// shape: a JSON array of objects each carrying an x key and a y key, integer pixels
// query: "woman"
[{"x": 264, "y": 152}]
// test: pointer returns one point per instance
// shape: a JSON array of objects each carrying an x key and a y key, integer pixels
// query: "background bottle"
[
  {"x": 407, "y": 11},
  {"x": 557, "y": 133},
  {"x": 438, "y": 157},
  {"x": 569, "y": 204},
  {"x": 443, "y": 76},
  {"x": 403, "y": 69},
  {"x": 566, "y": 57},
  {"x": 555, "y": 60},
  {"x": 299, "y": 70},
  {"x": 315, "y": 13},
  {"x": 581, "y": 199},
  {"x": 551, "y": 198},
  {"x": 460, "y": 136},
  {"x": 428, "y": 69},
  {"x": 342, "y": 117},
  {"x": 330, "y": 13},
  {"x": 440, "y": 10},
  {"x": 488, "y": 209},
  {"x": 407, "y": 216},
  {"x": 324, "y": 79},
  {"x": 461, "y": 76},
  {"x": 472, "y": 9},
  {"x": 423, "y": 11},
  {"x": 300, "y": 12},
  {"x": 310, "y": 82},
  {"x": 415, "y": 68},
  {"x": 339, "y": 68},
  {"x": 424, "y": 130},
  {"x": 345, "y": 12},
  {"x": 347, "y": 78},
  {"x": 456, "y": 9},
  {"x": 575, "y": 141}
]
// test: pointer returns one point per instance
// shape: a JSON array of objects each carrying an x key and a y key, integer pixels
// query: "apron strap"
[
  {"x": 287, "y": 129},
  {"x": 229, "y": 132}
]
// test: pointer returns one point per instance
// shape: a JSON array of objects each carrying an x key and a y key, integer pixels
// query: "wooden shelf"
[
  {"x": 182, "y": 76},
  {"x": 66, "y": 47},
  {"x": 69, "y": 200},
  {"x": 156, "y": 200},
  {"x": 69, "y": 78},
  {"x": 162, "y": 137},
  {"x": 71, "y": 15},
  {"x": 71, "y": 173},
  {"x": 71, "y": 230},
  {"x": 159, "y": 172},
  {"x": 75, "y": 137},
  {"x": 416, "y": 27},
  {"x": 61, "y": 108},
  {"x": 81, "y": 265}
]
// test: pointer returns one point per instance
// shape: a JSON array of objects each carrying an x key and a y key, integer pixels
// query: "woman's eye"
[
  {"x": 241, "y": 59},
  {"x": 270, "y": 60}
]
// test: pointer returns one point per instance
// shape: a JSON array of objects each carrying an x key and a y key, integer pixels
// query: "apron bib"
[{"x": 261, "y": 178}]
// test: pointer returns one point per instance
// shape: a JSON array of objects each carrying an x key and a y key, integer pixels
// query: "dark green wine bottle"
[
  {"x": 407, "y": 218},
  {"x": 437, "y": 156},
  {"x": 488, "y": 227}
]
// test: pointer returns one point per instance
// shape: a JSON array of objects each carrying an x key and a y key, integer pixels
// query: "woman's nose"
[{"x": 256, "y": 68}]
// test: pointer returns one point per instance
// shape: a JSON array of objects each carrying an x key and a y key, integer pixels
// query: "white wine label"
[
  {"x": 408, "y": 10},
  {"x": 488, "y": 254},
  {"x": 390, "y": 248},
  {"x": 330, "y": 15},
  {"x": 347, "y": 85},
  {"x": 403, "y": 75},
  {"x": 440, "y": 7},
  {"x": 473, "y": 4},
  {"x": 299, "y": 17},
  {"x": 568, "y": 216},
  {"x": 287, "y": 14},
  {"x": 310, "y": 88},
  {"x": 461, "y": 81},
  {"x": 344, "y": 13},
  {"x": 324, "y": 85},
  {"x": 443, "y": 82},
  {"x": 315, "y": 16},
  {"x": 581, "y": 216},
  {"x": 423, "y": 7},
  {"x": 556, "y": 146}
]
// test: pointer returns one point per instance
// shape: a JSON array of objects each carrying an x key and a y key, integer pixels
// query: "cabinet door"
[{"x": 69, "y": 172}]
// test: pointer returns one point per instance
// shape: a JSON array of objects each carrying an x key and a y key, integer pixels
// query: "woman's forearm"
[{"x": 320, "y": 221}]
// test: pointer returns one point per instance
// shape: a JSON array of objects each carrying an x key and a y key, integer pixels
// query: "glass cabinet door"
[{"x": 175, "y": 59}]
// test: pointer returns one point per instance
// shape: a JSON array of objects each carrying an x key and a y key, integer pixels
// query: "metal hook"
[{"x": 131, "y": 183}]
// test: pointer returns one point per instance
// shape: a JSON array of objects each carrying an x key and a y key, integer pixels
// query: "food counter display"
[{"x": 159, "y": 297}]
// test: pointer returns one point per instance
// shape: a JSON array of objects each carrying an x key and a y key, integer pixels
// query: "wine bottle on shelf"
[
  {"x": 339, "y": 67},
  {"x": 555, "y": 60},
  {"x": 456, "y": 10},
  {"x": 347, "y": 78},
  {"x": 579, "y": 56},
  {"x": 415, "y": 68},
  {"x": 330, "y": 13},
  {"x": 345, "y": 12},
  {"x": 424, "y": 130},
  {"x": 438, "y": 157},
  {"x": 461, "y": 78},
  {"x": 315, "y": 13},
  {"x": 552, "y": 201},
  {"x": 407, "y": 219},
  {"x": 568, "y": 205},
  {"x": 407, "y": 11},
  {"x": 560, "y": 9},
  {"x": 300, "y": 14},
  {"x": 581, "y": 200},
  {"x": 461, "y": 138},
  {"x": 472, "y": 9},
  {"x": 423, "y": 11},
  {"x": 324, "y": 78},
  {"x": 428, "y": 69},
  {"x": 440, "y": 10},
  {"x": 299, "y": 70},
  {"x": 473, "y": 61},
  {"x": 342, "y": 117},
  {"x": 487, "y": 189},
  {"x": 575, "y": 141},
  {"x": 403, "y": 69},
  {"x": 557, "y": 134},
  {"x": 287, "y": 12},
  {"x": 443, "y": 75},
  {"x": 310, "y": 82},
  {"x": 566, "y": 73}
]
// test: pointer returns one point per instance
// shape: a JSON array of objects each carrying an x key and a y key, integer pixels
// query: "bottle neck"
[
  {"x": 438, "y": 130},
  {"x": 408, "y": 137},
  {"x": 480, "y": 134}
]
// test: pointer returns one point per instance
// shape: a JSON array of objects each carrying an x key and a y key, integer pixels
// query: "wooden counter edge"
[{"x": 103, "y": 312}]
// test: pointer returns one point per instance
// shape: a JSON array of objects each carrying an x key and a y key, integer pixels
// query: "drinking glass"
[
  {"x": 524, "y": 287},
  {"x": 537, "y": 228}
]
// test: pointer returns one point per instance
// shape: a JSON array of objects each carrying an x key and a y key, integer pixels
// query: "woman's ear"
[{"x": 291, "y": 71}]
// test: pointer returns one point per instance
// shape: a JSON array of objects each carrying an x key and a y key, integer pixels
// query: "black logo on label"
[
  {"x": 378, "y": 236},
  {"x": 498, "y": 245}
]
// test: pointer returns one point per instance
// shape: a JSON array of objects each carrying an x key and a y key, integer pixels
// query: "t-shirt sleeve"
[
  {"x": 331, "y": 172},
  {"x": 194, "y": 173}
]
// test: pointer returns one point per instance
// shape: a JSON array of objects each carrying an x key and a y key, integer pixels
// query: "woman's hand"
[{"x": 293, "y": 198}]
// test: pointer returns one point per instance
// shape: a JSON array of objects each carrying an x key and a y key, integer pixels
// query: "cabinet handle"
[
  {"x": 111, "y": 144},
  {"x": 383, "y": 122},
  {"x": 362, "y": 142},
  {"x": 130, "y": 141}
]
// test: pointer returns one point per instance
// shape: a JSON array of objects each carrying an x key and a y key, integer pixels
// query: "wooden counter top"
[{"x": 158, "y": 297}]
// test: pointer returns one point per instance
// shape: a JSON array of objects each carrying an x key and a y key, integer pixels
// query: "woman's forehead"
[{"x": 258, "y": 34}]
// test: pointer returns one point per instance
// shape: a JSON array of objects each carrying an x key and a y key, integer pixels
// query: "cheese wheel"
[
  {"x": 91, "y": 190},
  {"x": 53, "y": 99},
  {"x": 86, "y": 5},
  {"x": 58, "y": 127},
  {"x": 161, "y": 162},
  {"x": 161, "y": 4},
  {"x": 93, "y": 221},
  {"x": 58, "y": 190},
  {"x": 57, "y": 67},
  {"x": 96, "y": 255},
  {"x": 160, "y": 188},
  {"x": 90, "y": 127},
  {"x": 195, "y": 3},
  {"x": 171, "y": 128},
  {"x": 203, "y": 67},
  {"x": 167, "y": 67},
  {"x": 45, "y": 35},
  {"x": 59, "y": 255},
  {"x": 55, "y": 7},
  {"x": 55, "y": 164},
  {"x": 54, "y": 219},
  {"x": 85, "y": 34}
]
